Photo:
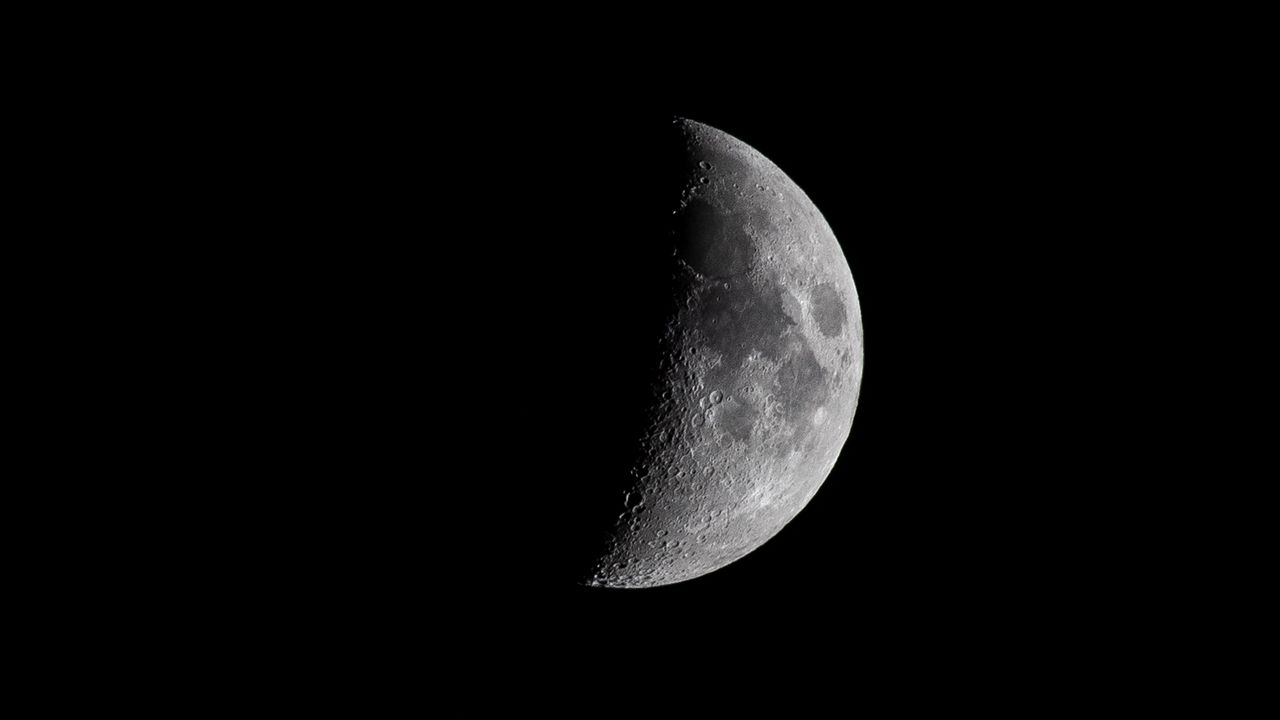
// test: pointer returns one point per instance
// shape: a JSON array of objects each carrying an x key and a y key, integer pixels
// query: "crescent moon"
[{"x": 762, "y": 360}]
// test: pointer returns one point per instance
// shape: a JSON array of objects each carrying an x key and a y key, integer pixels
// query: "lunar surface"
[{"x": 759, "y": 372}]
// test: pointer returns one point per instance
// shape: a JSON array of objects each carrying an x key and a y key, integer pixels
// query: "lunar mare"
[{"x": 759, "y": 378}]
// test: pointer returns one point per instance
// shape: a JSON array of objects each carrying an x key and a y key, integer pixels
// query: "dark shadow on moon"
[{"x": 714, "y": 245}]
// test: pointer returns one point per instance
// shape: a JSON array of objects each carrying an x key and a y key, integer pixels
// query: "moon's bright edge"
[{"x": 760, "y": 378}]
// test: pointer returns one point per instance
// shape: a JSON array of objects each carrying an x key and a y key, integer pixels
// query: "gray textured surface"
[{"x": 760, "y": 378}]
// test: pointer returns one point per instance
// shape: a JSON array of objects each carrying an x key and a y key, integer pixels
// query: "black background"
[
  {"x": 377, "y": 328},
  {"x": 974, "y": 497},
  {"x": 433, "y": 383},
  {"x": 1004, "y": 485}
]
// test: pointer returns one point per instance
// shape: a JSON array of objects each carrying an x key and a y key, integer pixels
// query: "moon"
[{"x": 761, "y": 359}]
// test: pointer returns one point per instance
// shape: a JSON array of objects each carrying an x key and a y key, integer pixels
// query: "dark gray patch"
[
  {"x": 828, "y": 310},
  {"x": 736, "y": 418},
  {"x": 714, "y": 244},
  {"x": 802, "y": 387},
  {"x": 736, "y": 320}
]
